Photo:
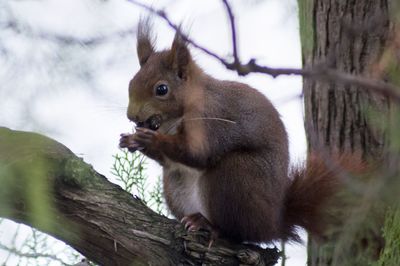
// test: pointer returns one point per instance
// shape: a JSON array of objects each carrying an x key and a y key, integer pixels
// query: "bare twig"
[
  {"x": 62, "y": 38},
  {"x": 319, "y": 72},
  {"x": 32, "y": 255},
  {"x": 233, "y": 31},
  {"x": 163, "y": 15}
]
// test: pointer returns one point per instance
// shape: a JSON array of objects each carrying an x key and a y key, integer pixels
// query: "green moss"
[
  {"x": 391, "y": 232},
  {"x": 305, "y": 8},
  {"x": 77, "y": 172}
]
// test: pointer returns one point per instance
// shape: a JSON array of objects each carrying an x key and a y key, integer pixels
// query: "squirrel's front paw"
[
  {"x": 146, "y": 138},
  {"x": 127, "y": 141}
]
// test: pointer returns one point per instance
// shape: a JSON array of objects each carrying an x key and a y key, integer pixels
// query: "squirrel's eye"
[{"x": 162, "y": 90}]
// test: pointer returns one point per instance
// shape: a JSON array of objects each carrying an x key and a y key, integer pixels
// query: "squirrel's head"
[{"x": 158, "y": 87}]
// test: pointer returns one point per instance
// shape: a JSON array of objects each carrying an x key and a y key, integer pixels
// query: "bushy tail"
[{"x": 312, "y": 191}]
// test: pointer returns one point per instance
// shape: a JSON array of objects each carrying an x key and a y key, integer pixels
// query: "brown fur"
[{"x": 223, "y": 148}]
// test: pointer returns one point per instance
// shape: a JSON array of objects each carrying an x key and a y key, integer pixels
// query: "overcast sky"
[{"x": 78, "y": 95}]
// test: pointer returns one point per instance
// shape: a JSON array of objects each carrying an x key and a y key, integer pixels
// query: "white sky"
[{"x": 90, "y": 123}]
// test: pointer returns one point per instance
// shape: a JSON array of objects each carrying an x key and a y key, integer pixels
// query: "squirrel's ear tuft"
[
  {"x": 180, "y": 56},
  {"x": 145, "y": 40}
]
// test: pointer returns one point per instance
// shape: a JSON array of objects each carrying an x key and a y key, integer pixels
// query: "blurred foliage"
[
  {"x": 388, "y": 68},
  {"x": 35, "y": 248},
  {"x": 369, "y": 206},
  {"x": 390, "y": 255},
  {"x": 40, "y": 59},
  {"x": 365, "y": 232}
]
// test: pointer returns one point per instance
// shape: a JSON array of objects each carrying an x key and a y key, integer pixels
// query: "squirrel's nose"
[
  {"x": 133, "y": 118},
  {"x": 133, "y": 112}
]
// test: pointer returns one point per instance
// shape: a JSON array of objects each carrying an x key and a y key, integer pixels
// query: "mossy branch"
[{"x": 44, "y": 185}]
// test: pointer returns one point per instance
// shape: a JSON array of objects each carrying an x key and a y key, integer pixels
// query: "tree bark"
[
  {"x": 46, "y": 186},
  {"x": 350, "y": 36}
]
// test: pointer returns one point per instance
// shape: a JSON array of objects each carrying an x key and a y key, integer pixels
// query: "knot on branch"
[{"x": 242, "y": 69}]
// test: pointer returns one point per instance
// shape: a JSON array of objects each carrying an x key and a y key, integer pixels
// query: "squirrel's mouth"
[{"x": 153, "y": 122}]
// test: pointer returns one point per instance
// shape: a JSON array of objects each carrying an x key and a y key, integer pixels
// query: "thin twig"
[
  {"x": 163, "y": 15},
  {"x": 32, "y": 255},
  {"x": 233, "y": 31},
  {"x": 63, "y": 38},
  {"x": 318, "y": 72}
]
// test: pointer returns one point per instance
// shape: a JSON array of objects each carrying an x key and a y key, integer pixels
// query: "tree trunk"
[
  {"x": 350, "y": 36},
  {"x": 44, "y": 185}
]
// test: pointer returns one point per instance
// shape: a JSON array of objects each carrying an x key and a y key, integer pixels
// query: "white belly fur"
[{"x": 187, "y": 195}]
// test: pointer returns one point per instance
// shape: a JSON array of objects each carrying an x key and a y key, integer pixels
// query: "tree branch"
[
  {"x": 319, "y": 72},
  {"x": 97, "y": 218},
  {"x": 18, "y": 27}
]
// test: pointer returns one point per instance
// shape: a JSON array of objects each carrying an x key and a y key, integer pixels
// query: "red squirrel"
[{"x": 223, "y": 149}]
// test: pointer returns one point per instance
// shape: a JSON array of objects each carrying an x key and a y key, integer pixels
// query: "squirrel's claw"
[{"x": 196, "y": 222}]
